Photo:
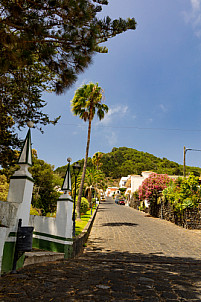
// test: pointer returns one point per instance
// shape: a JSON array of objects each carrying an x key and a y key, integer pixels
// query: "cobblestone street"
[{"x": 130, "y": 256}]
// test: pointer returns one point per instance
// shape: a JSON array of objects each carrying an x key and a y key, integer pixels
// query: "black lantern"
[{"x": 76, "y": 171}]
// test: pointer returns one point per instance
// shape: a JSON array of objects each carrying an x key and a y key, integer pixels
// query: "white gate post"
[{"x": 17, "y": 206}]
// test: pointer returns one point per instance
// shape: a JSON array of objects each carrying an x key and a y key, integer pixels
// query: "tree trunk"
[
  {"x": 84, "y": 168},
  {"x": 90, "y": 197}
]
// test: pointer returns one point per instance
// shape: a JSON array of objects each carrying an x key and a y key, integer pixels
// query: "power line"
[{"x": 135, "y": 127}]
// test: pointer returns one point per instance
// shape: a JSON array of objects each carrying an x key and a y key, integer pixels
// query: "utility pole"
[
  {"x": 185, "y": 150},
  {"x": 184, "y": 161}
]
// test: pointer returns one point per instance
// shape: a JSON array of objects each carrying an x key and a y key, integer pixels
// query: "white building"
[
  {"x": 136, "y": 180},
  {"x": 110, "y": 191},
  {"x": 123, "y": 181}
]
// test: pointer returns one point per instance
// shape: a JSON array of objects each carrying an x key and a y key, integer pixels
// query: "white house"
[
  {"x": 110, "y": 191},
  {"x": 123, "y": 181},
  {"x": 136, "y": 180}
]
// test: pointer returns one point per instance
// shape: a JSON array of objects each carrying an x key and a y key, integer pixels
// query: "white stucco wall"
[
  {"x": 136, "y": 180},
  {"x": 60, "y": 226},
  {"x": 123, "y": 181},
  {"x": 8, "y": 213}
]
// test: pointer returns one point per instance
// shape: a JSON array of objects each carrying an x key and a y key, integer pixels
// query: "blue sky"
[{"x": 152, "y": 83}]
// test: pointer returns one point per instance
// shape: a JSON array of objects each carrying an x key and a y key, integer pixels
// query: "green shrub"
[
  {"x": 183, "y": 193},
  {"x": 33, "y": 211},
  {"x": 84, "y": 205},
  {"x": 51, "y": 214}
]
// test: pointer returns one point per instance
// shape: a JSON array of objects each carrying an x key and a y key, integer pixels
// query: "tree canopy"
[
  {"x": 46, "y": 184},
  {"x": 4, "y": 186},
  {"x": 125, "y": 161},
  {"x": 64, "y": 34},
  {"x": 45, "y": 44}
]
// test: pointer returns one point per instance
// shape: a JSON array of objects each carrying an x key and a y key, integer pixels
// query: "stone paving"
[{"x": 130, "y": 256}]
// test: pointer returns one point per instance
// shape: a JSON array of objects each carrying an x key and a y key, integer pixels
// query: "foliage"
[
  {"x": 86, "y": 103},
  {"x": 61, "y": 171},
  {"x": 122, "y": 190},
  {"x": 152, "y": 186},
  {"x": 34, "y": 211},
  {"x": 135, "y": 195},
  {"x": 44, "y": 45},
  {"x": 84, "y": 205},
  {"x": 65, "y": 35},
  {"x": 93, "y": 180},
  {"x": 125, "y": 161},
  {"x": 114, "y": 163},
  {"x": 4, "y": 186},
  {"x": 81, "y": 223},
  {"x": 183, "y": 193},
  {"x": 96, "y": 160},
  {"x": 20, "y": 101},
  {"x": 45, "y": 194},
  {"x": 51, "y": 214},
  {"x": 8, "y": 139}
]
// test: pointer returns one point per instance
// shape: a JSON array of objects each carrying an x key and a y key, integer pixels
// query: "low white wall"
[
  {"x": 43, "y": 224},
  {"x": 8, "y": 213},
  {"x": 60, "y": 226}
]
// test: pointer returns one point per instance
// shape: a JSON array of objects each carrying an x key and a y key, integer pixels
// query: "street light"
[
  {"x": 185, "y": 150},
  {"x": 76, "y": 171}
]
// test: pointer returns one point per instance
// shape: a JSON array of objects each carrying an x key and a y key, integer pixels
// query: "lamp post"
[
  {"x": 76, "y": 171},
  {"x": 185, "y": 150}
]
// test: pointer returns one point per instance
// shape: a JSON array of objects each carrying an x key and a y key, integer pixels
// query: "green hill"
[{"x": 124, "y": 161}]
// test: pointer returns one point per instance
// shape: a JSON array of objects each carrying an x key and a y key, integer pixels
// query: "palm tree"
[
  {"x": 87, "y": 102},
  {"x": 96, "y": 159},
  {"x": 92, "y": 177}
]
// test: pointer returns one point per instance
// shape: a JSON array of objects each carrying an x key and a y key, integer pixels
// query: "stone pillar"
[
  {"x": 64, "y": 222},
  {"x": 17, "y": 206},
  {"x": 65, "y": 207},
  {"x": 21, "y": 183}
]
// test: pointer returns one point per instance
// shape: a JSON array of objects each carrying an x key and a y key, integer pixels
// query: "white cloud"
[
  {"x": 111, "y": 138},
  {"x": 163, "y": 107},
  {"x": 114, "y": 112},
  {"x": 195, "y": 5},
  {"x": 194, "y": 16}
]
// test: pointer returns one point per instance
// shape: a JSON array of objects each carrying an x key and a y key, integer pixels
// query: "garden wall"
[{"x": 189, "y": 219}]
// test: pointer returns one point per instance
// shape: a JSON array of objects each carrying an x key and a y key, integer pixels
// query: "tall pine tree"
[{"x": 56, "y": 39}]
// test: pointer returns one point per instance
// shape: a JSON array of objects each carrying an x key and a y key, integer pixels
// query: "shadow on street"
[
  {"x": 113, "y": 224},
  {"x": 110, "y": 276}
]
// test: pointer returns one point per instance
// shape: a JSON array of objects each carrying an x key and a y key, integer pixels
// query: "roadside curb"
[{"x": 80, "y": 241}]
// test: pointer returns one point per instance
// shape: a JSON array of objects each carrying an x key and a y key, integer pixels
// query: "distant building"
[
  {"x": 137, "y": 180},
  {"x": 123, "y": 181},
  {"x": 111, "y": 191}
]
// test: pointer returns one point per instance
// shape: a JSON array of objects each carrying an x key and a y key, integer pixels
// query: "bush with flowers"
[{"x": 152, "y": 186}]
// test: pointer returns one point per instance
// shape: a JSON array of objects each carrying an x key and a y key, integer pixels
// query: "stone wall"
[
  {"x": 134, "y": 203},
  {"x": 189, "y": 219}
]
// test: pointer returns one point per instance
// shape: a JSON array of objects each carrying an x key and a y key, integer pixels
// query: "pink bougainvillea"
[{"x": 152, "y": 185}]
